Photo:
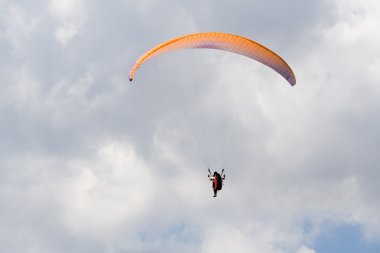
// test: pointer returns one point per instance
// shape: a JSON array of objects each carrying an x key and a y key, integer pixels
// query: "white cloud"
[
  {"x": 90, "y": 163},
  {"x": 107, "y": 193},
  {"x": 65, "y": 35},
  {"x": 71, "y": 16},
  {"x": 305, "y": 249}
]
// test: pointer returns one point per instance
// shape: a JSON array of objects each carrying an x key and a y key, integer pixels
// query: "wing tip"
[{"x": 292, "y": 81}]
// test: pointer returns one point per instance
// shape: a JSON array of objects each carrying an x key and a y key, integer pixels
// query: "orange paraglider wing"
[{"x": 221, "y": 41}]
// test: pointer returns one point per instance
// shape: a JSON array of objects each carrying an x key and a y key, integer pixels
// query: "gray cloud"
[{"x": 93, "y": 163}]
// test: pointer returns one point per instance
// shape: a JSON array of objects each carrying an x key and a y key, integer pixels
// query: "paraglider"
[
  {"x": 221, "y": 41},
  {"x": 217, "y": 180},
  {"x": 226, "y": 42}
]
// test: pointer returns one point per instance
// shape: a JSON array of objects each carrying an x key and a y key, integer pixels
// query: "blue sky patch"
[{"x": 346, "y": 238}]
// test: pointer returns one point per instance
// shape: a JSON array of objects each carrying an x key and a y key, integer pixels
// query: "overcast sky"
[{"x": 90, "y": 162}]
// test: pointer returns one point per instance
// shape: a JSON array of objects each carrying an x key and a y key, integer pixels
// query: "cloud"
[
  {"x": 71, "y": 16},
  {"x": 93, "y": 163},
  {"x": 304, "y": 249}
]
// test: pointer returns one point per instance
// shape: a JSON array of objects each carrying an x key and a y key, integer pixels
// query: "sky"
[{"x": 90, "y": 162}]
